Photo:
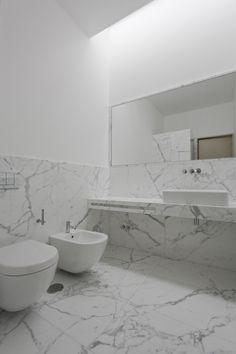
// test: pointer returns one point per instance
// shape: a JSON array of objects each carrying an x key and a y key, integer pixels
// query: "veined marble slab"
[
  {"x": 158, "y": 207},
  {"x": 171, "y": 146},
  {"x": 210, "y": 242},
  {"x": 171, "y": 232},
  {"x": 130, "y": 303},
  {"x": 62, "y": 189},
  {"x": 149, "y": 180}
]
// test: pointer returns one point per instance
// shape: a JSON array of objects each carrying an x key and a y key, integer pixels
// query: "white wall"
[
  {"x": 53, "y": 86},
  {"x": 169, "y": 43},
  {"x": 234, "y": 138},
  {"x": 94, "y": 16},
  {"x": 204, "y": 122},
  {"x": 132, "y": 127}
]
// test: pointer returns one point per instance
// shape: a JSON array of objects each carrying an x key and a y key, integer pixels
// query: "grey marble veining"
[
  {"x": 151, "y": 206},
  {"x": 129, "y": 303},
  {"x": 149, "y": 180},
  {"x": 62, "y": 189},
  {"x": 211, "y": 242},
  {"x": 171, "y": 146}
]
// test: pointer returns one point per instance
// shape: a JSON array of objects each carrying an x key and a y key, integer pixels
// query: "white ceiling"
[
  {"x": 204, "y": 94},
  {"x": 93, "y": 16}
]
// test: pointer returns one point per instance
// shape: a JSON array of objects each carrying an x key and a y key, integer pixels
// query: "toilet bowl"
[
  {"x": 26, "y": 270},
  {"x": 79, "y": 250}
]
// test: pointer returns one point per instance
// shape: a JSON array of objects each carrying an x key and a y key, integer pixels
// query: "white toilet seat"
[
  {"x": 26, "y": 257},
  {"x": 26, "y": 270}
]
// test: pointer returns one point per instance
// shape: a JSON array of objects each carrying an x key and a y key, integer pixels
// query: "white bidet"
[{"x": 79, "y": 250}]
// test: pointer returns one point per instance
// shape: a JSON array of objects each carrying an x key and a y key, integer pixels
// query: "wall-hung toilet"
[
  {"x": 79, "y": 250},
  {"x": 26, "y": 270}
]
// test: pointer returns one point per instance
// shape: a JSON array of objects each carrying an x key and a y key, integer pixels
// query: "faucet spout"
[{"x": 68, "y": 226}]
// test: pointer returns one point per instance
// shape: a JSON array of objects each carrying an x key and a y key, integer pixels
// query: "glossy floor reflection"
[{"x": 130, "y": 303}]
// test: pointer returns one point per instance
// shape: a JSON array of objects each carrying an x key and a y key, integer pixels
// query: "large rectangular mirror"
[{"x": 196, "y": 121}]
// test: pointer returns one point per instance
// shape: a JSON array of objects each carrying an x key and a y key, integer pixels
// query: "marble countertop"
[{"x": 158, "y": 207}]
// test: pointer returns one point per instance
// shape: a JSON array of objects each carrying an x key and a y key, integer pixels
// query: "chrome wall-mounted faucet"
[
  {"x": 69, "y": 227},
  {"x": 42, "y": 220}
]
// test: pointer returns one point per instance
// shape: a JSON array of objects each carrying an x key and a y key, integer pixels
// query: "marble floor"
[{"x": 130, "y": 303}]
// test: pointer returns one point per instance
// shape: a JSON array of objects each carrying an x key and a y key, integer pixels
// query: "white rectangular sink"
[{"x": 196, "y": 197}]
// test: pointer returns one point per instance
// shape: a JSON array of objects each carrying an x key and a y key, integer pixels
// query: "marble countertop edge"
[{"x": 158, "y": 207}]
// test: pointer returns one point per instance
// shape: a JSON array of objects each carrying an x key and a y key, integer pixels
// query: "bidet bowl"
[{"x": 79, "y": 250}]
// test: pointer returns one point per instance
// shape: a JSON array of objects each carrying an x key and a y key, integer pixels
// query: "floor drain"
[{"x": 54, "y": 288}]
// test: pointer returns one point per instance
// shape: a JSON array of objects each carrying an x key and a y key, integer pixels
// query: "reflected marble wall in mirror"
[{"x": 196, "y": 121}]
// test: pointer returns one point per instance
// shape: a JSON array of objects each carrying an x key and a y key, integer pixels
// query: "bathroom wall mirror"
[{"x": 196, "y": 121}]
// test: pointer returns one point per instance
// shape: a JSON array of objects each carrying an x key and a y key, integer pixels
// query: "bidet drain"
[{"x": 54, "y": 288}]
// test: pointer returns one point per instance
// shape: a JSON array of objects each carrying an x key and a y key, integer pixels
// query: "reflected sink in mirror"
[{"x": 196, "y": 197}]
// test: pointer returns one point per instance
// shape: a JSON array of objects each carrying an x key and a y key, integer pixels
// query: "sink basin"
[{"x": 196, "y": 197}]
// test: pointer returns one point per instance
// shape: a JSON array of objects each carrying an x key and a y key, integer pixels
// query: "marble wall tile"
[
  {"x": 98, "y": 221},
  {"x": 62, "y": 189},
  {"x": 149, "y": 180},
  {"x": 212, "y": 243},
  {"x": 171, "y": 146},
  {"x": 144, "y": 232}
]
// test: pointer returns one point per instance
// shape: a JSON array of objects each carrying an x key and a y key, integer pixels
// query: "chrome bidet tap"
[{"x": 69, "y": 227}]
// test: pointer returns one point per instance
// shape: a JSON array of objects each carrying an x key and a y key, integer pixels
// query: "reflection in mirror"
[{"x": 197, "y": 121}]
